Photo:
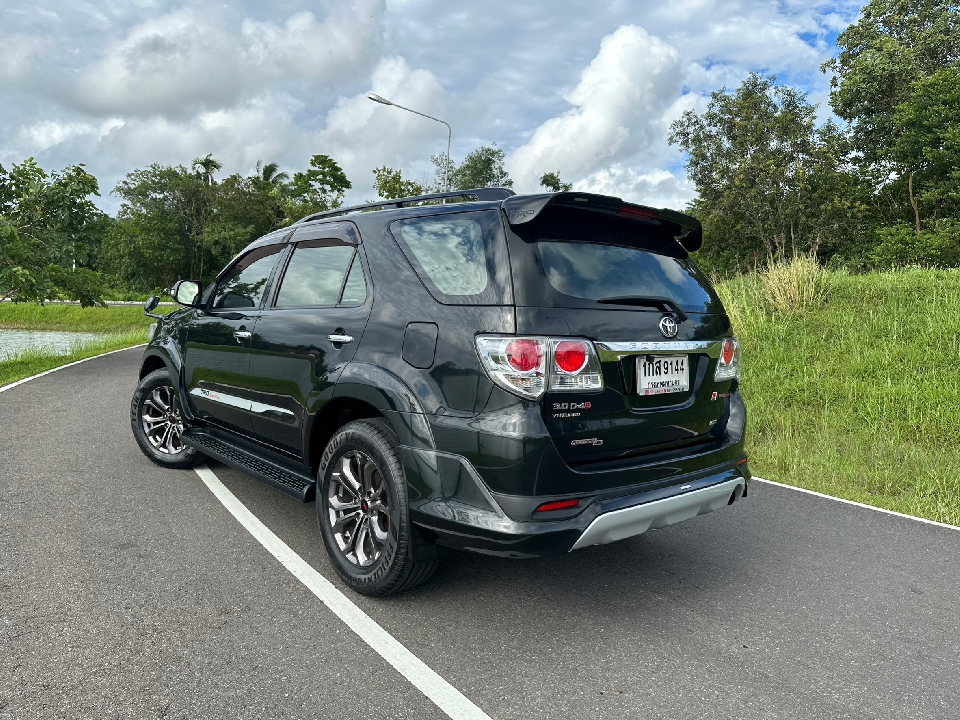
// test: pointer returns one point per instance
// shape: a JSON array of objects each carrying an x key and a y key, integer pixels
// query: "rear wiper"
[{"x": 664, "y": 305}]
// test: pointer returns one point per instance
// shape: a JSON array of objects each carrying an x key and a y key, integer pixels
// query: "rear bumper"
[
  {"x": 489, "y": 530},
  {"x": 619, "y": 524}
]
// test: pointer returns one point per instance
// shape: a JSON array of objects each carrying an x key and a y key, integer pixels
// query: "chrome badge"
[{"x": 668, "y": 327}]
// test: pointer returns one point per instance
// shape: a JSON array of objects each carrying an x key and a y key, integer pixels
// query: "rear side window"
[
  {"x": 595, "y": 271},
  {"x": 460, "y": 257},
  {"x": 315, "y": 275}
]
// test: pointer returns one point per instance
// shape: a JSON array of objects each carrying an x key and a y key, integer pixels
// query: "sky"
[{"x": 586, "y": 89}]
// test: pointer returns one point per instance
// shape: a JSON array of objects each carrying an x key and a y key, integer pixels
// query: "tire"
[
  {"x": 157, "y": 423},
  {"x": 363, "y": 511}
]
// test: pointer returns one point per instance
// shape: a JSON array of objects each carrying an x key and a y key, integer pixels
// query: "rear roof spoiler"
[{"x": 687, "y": 230}]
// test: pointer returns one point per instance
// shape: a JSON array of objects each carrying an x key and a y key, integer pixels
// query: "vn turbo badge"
[{"x": 668, "y": 327}]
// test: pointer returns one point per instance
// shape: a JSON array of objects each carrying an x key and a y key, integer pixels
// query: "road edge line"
[
  {"x": 859, "y": 504},
  {"x": 21, "y": 381},
  {"x": 444, "y": 695}
]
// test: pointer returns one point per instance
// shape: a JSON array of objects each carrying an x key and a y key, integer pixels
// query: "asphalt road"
[{"x": 128, "y": 591}]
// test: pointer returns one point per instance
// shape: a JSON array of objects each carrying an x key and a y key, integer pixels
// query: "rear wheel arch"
[{"x": 333, "y": 416}]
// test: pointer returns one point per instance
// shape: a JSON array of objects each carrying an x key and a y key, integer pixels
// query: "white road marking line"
[
  {"x": 454, "y": 703},
  {"x": 12, "y": 385},
  {"x": 862, "y": 505}
]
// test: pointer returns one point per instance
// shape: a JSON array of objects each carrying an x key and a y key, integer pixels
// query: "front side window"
[
  {"x": 460, "y": 257},
  {"x": 315, "y": 275},
  {"x": 244, "y": 285}
]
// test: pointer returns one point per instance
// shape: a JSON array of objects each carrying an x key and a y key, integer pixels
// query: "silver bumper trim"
[{"x": 620, "y": 524}]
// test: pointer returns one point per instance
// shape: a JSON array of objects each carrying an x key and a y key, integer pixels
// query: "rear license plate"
[{"x": 662, "y": 374}]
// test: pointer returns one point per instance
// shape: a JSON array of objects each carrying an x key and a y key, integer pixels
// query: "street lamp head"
[{"x": 378, "y": 99}]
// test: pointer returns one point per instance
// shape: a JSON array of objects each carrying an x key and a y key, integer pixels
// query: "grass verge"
[
  {"x": 33, "y": 361},
  {"x": 854, "y": 391},
  {"x": 112, "y": 319}
]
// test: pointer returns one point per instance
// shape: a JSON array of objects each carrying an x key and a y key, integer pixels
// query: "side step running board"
[{"x": 298, "y": 484}]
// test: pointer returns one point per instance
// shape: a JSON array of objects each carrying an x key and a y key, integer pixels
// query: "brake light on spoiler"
[{"x": 530, "y": 366}]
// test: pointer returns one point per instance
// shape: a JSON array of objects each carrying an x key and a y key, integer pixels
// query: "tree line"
[
  {"x": 178, "y": 221},
  {"x": 877, "y": 187}
]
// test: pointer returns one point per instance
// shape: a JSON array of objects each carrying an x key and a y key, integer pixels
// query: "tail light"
[
  {"x": 528, "y": 366},
  {"x": 728, "y": 366}
]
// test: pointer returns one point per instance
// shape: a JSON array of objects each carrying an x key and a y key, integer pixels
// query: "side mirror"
[
  {"x": 149, "y": 305},
  {"x": 187, "y": 292}
]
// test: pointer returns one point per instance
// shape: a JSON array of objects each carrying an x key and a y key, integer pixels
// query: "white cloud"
[
  {"x": 656, "y": 188},
  {"x": 618, "y": 110},
  {"x": 189, "y": 61},
  {"x": 17, "y": 53},
  {"x": 119, "y": 85}
]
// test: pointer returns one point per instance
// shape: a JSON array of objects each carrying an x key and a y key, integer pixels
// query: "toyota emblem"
[{"x": 669, "y": 327}]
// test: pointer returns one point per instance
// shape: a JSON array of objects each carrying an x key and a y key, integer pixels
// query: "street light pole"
[{"x": 446, "y": 168}]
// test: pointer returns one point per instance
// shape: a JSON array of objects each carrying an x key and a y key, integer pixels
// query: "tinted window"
[
  {"x": 451, "y": 251},
  {"x": 595, "y": 271},
  {"x": 314, "y": 275},
  {"x": 355, "y": 289},
  {"x": 245, "y": 283}
]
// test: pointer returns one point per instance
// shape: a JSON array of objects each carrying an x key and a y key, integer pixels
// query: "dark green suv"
[{"x": 512, "y": 375}]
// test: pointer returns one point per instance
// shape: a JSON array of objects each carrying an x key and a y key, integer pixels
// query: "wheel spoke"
[
  {"x": 379, "y": 533},
  {"x": 359, "y": 540},
  {"x": 369, "y": 468},
  {"x": 341, "y": 524},
  {"x": 158, "y": 400},
  {"x": 346, "y": 477},
  {"x": 341, "y": 506}
]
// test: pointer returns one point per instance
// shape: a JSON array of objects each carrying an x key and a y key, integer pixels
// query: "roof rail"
[{"x": 489, "y": 193}]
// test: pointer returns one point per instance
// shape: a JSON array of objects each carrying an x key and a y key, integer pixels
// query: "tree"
[
  {"x": 205, "y": 167},
  {"x": 769, "y": 180},
  {"x": 270, "y": 174},
  {"x": 49, "y": 232},
  {"x": 481, "y": 168},
  {"x": 389, "y": 184},
  {"x": 893, "y": 45},
  {"x": 161, "y": 221},
  {"x": 927, "y": 145},
  {"x": 319, "y": 188},
  {"x": 551, "y": 181}
]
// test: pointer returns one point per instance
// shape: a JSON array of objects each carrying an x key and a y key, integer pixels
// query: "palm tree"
[
  {"x": 204, "y": 168},
  {"x": 269, "y": 173}
]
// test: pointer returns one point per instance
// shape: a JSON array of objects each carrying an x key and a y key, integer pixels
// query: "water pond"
[{"x": 56, "y": 342}]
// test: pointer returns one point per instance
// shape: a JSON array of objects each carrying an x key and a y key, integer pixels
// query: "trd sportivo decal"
[
  {"x": 570, "y": 406},
  {"x": 587, "y": 441}
]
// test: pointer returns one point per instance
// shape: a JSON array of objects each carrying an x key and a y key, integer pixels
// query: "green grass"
[
  {"x": 854, "y": 391},
  {"x": 112, "y": 319},
  {"x": 32, "y": 361}
]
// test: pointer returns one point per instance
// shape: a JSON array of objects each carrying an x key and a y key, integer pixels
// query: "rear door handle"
[{"x": 340, "y": 339}]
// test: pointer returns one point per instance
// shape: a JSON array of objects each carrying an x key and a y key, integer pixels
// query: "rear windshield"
[{"x": 594, "y": 271}]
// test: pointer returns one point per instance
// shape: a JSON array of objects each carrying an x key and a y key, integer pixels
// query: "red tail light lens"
[
  {"x": 524, "y": 355},
  {"x": 571, "y": 356},
  {"x": 729, "y": 350}
]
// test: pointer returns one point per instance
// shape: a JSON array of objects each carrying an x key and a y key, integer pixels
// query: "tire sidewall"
[
  {"x": 395, "y": 558},
  {"x": 190, "y": 456}
]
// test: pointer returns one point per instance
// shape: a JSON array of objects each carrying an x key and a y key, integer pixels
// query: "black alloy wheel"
[
  {"x": 363, "y": 512},
  {"x": 157, "y": 422}
]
